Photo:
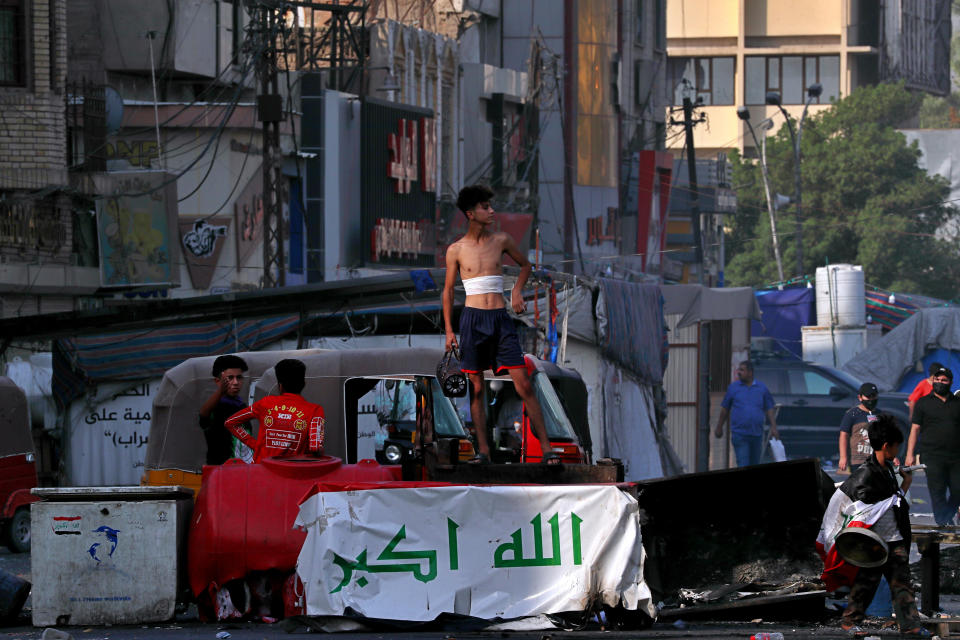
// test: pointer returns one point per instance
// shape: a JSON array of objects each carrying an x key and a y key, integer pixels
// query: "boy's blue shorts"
[{"x": 488, "y": 340}]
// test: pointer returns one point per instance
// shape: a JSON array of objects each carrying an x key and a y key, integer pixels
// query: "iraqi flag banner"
[{"x": 844, "y": 512}]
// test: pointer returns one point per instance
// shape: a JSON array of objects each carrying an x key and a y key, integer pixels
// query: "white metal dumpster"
[{"x": 107, "y": 555}]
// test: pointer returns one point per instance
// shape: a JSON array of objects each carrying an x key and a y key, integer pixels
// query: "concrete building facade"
[
  {"x": 729, "y": 53},
  {"x": 37, "y": 252},
  {"x": 596, "y": 71}
]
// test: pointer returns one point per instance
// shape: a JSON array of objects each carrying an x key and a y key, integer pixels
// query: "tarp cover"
[
  {"x": 481, "y": 551},
  {"x": 945, "y": 357},
  {"x": 140, "y": 354},
  {"x": 926, "y": 330},
  {"x": 784, "y": 312},
  {"x": 700, "y": 304},
  {"x": 631, "y": 327},
  {"x": 581, "y": 324},
  {"x": 630, "y": 426}
]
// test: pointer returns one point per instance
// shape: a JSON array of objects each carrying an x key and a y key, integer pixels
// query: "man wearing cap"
[
  {"x": 924, "y": 387},
  {"x": 854, "y": 442},
  {"x": 936, "y": 425}
]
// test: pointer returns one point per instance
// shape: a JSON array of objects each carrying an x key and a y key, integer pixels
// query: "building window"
[
  {"x": 596, "y": 120},
  {"x": 790, "y": 76},
  {"x": 12, "y": 44},
  {"x": 638, "y": 35},
  {"x": 709, "y": 79}
]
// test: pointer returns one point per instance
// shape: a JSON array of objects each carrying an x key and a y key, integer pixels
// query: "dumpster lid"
[{"x": 112, "y": 493}]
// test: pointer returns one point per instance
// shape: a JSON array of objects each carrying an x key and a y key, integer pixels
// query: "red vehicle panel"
[
  {"x": 18, "y": 474},
  {"x": 243, "y": 518}
]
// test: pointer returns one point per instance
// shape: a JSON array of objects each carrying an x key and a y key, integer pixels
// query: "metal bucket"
[{"x": 861, "y": 547}]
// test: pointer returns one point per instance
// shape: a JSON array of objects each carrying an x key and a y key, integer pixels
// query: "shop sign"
[
  {"x": 403, "y": 153},
  {"x": 398, "y": 238},
  {"x": 406, "y": 164}
]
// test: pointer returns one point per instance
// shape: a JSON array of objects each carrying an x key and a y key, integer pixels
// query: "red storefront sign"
[{"x": 406, "y": 165}]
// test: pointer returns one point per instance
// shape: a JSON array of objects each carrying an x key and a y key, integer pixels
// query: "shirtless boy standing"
[{"x": 488, "y": 337}]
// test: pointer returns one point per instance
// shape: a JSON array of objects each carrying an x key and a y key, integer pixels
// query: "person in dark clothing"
[
  {"x": 854, "y": 441},
  {"x": 936, "y": 424},
  {"x": 223, "y": 402},
  {"x": 875, "y": 481}
]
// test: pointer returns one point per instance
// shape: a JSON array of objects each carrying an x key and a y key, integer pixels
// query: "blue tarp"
[
  {"x": 949, "y": 359},
  {"x": 784, "y": 312}
]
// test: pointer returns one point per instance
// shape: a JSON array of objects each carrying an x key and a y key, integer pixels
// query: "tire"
[{"x": 18, "y": 531}]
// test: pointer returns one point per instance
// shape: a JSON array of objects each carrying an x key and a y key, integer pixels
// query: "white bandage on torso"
[{"x": 483, "y": 284}]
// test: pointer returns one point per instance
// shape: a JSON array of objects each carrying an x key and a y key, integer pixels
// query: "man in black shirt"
[
  {"x": 222, "y": 403},
  {"x": 854, "y": 442},
  {"x": 936, "y": 421}
]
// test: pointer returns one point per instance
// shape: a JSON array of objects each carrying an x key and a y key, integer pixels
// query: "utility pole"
[
  {"x": 265, "y": 18},
  {"x": 703, "y": 375},
  {"x": 330, "y": 41},
  {"x": 695, "y": 222}
]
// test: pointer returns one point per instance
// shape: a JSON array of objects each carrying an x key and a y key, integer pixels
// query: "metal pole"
[
  {"x": 798, "y": 187},
  {"x": 694, "y": 191},
  {"x": 156, "y": 113},
  {"x": 766, "y": 188}
]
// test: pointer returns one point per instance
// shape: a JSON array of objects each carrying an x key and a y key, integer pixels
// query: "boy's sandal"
[
  {"x": 480, "y": 458},
  {"x": 853, "y": 630},
  {"x": 551, "y": 459}
]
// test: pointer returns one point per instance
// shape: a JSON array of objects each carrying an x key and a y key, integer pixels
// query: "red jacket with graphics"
[{"x": 289, "y": 426}]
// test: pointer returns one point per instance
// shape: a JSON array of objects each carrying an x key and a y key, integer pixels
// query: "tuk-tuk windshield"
[
  {"x": 446, "y": 422},
  {"x": 558, "y": 425},
  {"x": 505, "y": 409}
]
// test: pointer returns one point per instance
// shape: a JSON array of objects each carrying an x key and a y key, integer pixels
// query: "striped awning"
[
  {"x": 138, "y": 354},
  {"x": 891, "y": 314}
]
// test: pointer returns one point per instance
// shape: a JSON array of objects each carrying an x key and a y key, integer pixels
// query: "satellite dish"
[{"x": 113, "y": 104}]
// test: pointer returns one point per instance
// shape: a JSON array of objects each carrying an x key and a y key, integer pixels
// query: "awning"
[
  {"x": 701, "y": 304},
  {"x": 138, "y": 354}
]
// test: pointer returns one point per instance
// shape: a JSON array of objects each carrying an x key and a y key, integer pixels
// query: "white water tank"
[{"x": 840, "y": 296}]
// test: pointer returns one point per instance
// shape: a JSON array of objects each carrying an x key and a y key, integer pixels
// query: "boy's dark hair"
[
  {"x": 290, "y": 374},
  {"x": 471, "y": 196},
  {"x": 884, "y": 430},
  {"x": 934, "y": 367},
  {"x": 223, "y": 363}
]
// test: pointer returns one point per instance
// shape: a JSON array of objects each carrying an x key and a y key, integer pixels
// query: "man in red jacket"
[{"x": 289, "y": 424}]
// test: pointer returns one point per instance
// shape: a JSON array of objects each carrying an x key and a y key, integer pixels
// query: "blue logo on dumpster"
[{"x": 97, "y": 549}]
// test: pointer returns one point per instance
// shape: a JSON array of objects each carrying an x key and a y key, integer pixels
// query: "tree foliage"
[{"x": 865, "y": 201}]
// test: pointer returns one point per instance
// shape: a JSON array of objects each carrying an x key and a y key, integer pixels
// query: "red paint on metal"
[
  {"x": 17, "y": 477},
  {"x": 243, "y": 518}
]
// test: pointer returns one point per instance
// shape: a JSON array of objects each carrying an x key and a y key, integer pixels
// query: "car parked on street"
[{"x": 811, "y": 400}]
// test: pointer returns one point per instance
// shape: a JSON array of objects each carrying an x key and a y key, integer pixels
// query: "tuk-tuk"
[
  {"x": 240, "y": 531},
  {"x": 18, "y": 471},
  {"x": 344, "y": 382},
  {"x": 508, "y": 419}
]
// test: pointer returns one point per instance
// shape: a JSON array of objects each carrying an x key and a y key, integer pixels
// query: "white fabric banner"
[
  {"x": 108, "y": 434},
  {"x": 483, "y": 551}
]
